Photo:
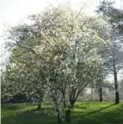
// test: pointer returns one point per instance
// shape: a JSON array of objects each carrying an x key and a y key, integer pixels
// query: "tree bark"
[
  {"x": 59, "y": 118},
  {"x": 100, "y": 94},
  {"x": 117, "y": 99},
  {"x": 68, "y": 115}
]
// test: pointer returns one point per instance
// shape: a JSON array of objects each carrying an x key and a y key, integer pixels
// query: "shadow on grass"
[
  {"x": 112, "y": 114},
  {"x": 10, "y": 106},
  {"x": 30, "y": 117},
  {"x": 99, "y": 110}
]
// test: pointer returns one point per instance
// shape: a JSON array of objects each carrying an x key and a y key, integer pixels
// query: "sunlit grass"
[{"x": 83, "y": 113}]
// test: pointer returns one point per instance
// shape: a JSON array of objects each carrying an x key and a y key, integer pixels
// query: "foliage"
[
  {"x": 59, "y": 52},
  {"x": 114, "y": 61}
]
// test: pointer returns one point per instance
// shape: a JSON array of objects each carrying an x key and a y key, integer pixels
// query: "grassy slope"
[{"x": 83, "y": 113}]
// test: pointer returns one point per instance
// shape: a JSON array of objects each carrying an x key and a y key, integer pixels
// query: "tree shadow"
[
  {"x": 99, "y": 110},
  {"x": 111, "y": 114},
  {"x": 10, "y": 106},
  {"x": 29, "y": 117}
]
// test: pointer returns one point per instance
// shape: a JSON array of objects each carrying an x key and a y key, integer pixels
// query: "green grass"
[{"x": 83, "y": 113}]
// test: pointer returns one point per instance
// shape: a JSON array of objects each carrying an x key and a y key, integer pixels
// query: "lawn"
[{"x": 83, "y": 113}]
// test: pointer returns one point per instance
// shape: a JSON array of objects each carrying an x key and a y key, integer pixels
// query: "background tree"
[{"x": 114, "y": 17}]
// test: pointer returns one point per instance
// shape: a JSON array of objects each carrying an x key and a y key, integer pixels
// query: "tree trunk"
[
  {"x": 59, "y": 118},
  {"x": 68, "y": 115},
  {"x": 39, "y": 106},
  {"x": 100, "y": 94},
  {"x": 117, "y": 99},
  {"x": 92, "y": 94}
]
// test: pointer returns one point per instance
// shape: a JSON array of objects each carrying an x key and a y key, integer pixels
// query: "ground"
[{"x": 83, "y": 113}]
